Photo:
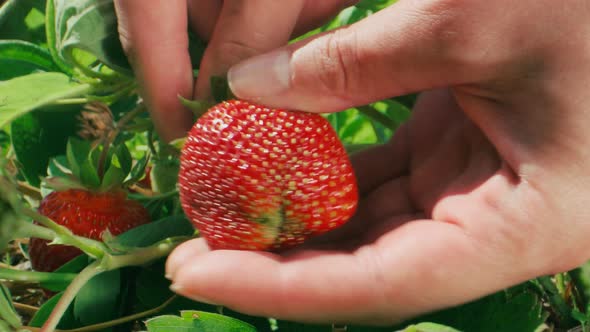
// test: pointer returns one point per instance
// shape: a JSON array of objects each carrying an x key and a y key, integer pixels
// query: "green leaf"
[
  {"x": 429, "y": 327},
  {"x": 8, "y": 216},
  {"x": 39, "y": 136},
  {"x": 138, "y": 170},
  {"x": 148, "y": 234},
  {"x": 118, "y": 168},
  {"x": 19, "y": 58},
  {"x": 51, "y": 32},
  {"x": 357, "y": 130},
  {"x": 86, "y": 29},
  {"x": 98, "y": 300},
  {"x": 77, "y": 151},
  {"x": 23, "y": 20},
  {"x": 395, "y": 110},
  {"x": 74, "y": 266},
  {"x": 169, "y": 323},
  {"x": 124, "y": 158},
  {"x": 197, "y": 321},
  {"x": 114, "y": 176},
  {"x": 210, "y": 322},
  {"x": 498, "y": 312},
  {"x": 151, "y": 288},
  {"x": 7, "y": 311},
  {"x": 164, "y": 174},
  {"x": 67, "y": 320},
  {"x": 21, "y": 95},
  {"x": 82, "y": 162}
]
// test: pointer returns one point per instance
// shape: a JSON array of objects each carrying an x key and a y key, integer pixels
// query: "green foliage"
[
  {"x": 23, "y": 20},
  {"x": 148, "y": 234},
  {"x": 7, "y": 311},
  {"x": 84, "y": 31},
  {"x": 67, "y": 321},
  {"x": 21, "y": 95},
  {"x": 98, "y": 301},
  {"x": 503, "y": 311},
  {"x": 20, "y": 58},
  {"x": 197, "y": 321},
  {"x": 41, "y": 135},
  {"x": 429, "y": 327}
]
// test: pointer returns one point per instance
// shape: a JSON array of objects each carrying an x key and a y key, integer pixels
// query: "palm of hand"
[
  {"x": 443, "y": 219},
  {"x": 441, "y": 214}
]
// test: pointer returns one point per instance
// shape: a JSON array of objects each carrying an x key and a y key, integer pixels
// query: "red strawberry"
[
  {"x": 264, "y": 179},
  {"x": 87, "y": 214}
]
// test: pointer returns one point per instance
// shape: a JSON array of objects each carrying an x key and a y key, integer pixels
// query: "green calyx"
[
  {"x": 272, "y": 222},
  {"x": 219, "y": 90},
  {"x": 98, "y": 168}
]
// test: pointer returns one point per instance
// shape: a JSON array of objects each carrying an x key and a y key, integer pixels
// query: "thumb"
[{"x": 398, "y": 50}]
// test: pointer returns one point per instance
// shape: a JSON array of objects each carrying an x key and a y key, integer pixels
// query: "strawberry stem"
[
  {"x": 110, "y": 138},
  {"x": 119, "y": 321},
  {"x": 378, "y": 117},
  {"x": 27, "y": 229},
  {"x": 108, "y": 262},
  {"x": 140, "y": 256},
  {"x": 34, "y": 276},
  {"x": 68, "y": 296},
  {"x": 63, "y": 235}
]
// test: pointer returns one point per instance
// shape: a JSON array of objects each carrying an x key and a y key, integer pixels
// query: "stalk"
[
  {"x": 93, "y": 248},
  {"x": 68, "y": 296},
  {"x": 34, "y": 276},
  {"x": 377, "y": 116}
]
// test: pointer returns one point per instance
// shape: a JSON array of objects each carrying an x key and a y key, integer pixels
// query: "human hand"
[
  {"x": 485, "y": 186},
  {"x": 155, "y": 38}
]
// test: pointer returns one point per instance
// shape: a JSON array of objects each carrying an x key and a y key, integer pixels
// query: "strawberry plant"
[{"x": 89, "y": 205}]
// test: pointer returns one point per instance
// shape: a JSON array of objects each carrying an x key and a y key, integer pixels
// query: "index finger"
[{"x": 155, "y": 38}]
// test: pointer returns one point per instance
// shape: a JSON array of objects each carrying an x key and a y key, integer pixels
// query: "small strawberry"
[
  {"x": 87, "y": 214},
  {"x": 257, "y": 178},
  {"x": 89, "y": 198}
]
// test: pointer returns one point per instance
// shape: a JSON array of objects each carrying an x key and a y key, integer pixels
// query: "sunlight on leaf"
[{"x": 26, "y": 93}]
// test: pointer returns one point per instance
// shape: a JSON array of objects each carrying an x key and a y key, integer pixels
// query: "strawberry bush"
[{"x": 77, "y": 144}]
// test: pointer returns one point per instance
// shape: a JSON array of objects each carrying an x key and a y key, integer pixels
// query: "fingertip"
[{"x": 183, "y": 255}]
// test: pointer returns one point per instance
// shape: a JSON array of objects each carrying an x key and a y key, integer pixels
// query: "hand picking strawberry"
[{"x": 264, "y": 179}]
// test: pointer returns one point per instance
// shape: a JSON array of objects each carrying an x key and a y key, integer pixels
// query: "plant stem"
[
  {"x": 68, "y": 296},
  {"x": 70, "y": 101},
  {"x": 142, "y": 256},
  {"x": 377, "y": 116},
  {"x": 93, "y": 248},
  {"x": 27, "y": 189},
  {"x": 163, "y": 196},
  {"x": 27, "y": 229},
  {"x": 123, "y": 320},
  {"x": 110, "y": 138},
  {"x": 115, "y": 322},
  {"x": 556, "y": 301},
  {"x": 29, "y": 309},
  {"x": 34, "y": 276}
]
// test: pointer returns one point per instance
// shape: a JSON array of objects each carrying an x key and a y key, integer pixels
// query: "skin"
[{"x": 484, "y": 187}]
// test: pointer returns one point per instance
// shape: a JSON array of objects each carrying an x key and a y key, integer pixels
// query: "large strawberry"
[
  {"x": 257, "y": 178},
  {"x": 87, "y": 214}
]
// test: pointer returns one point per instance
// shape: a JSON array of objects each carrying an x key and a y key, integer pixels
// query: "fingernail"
[
  {"x": 178, "y": 289},
  {"x": 261, "y": 76}
]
